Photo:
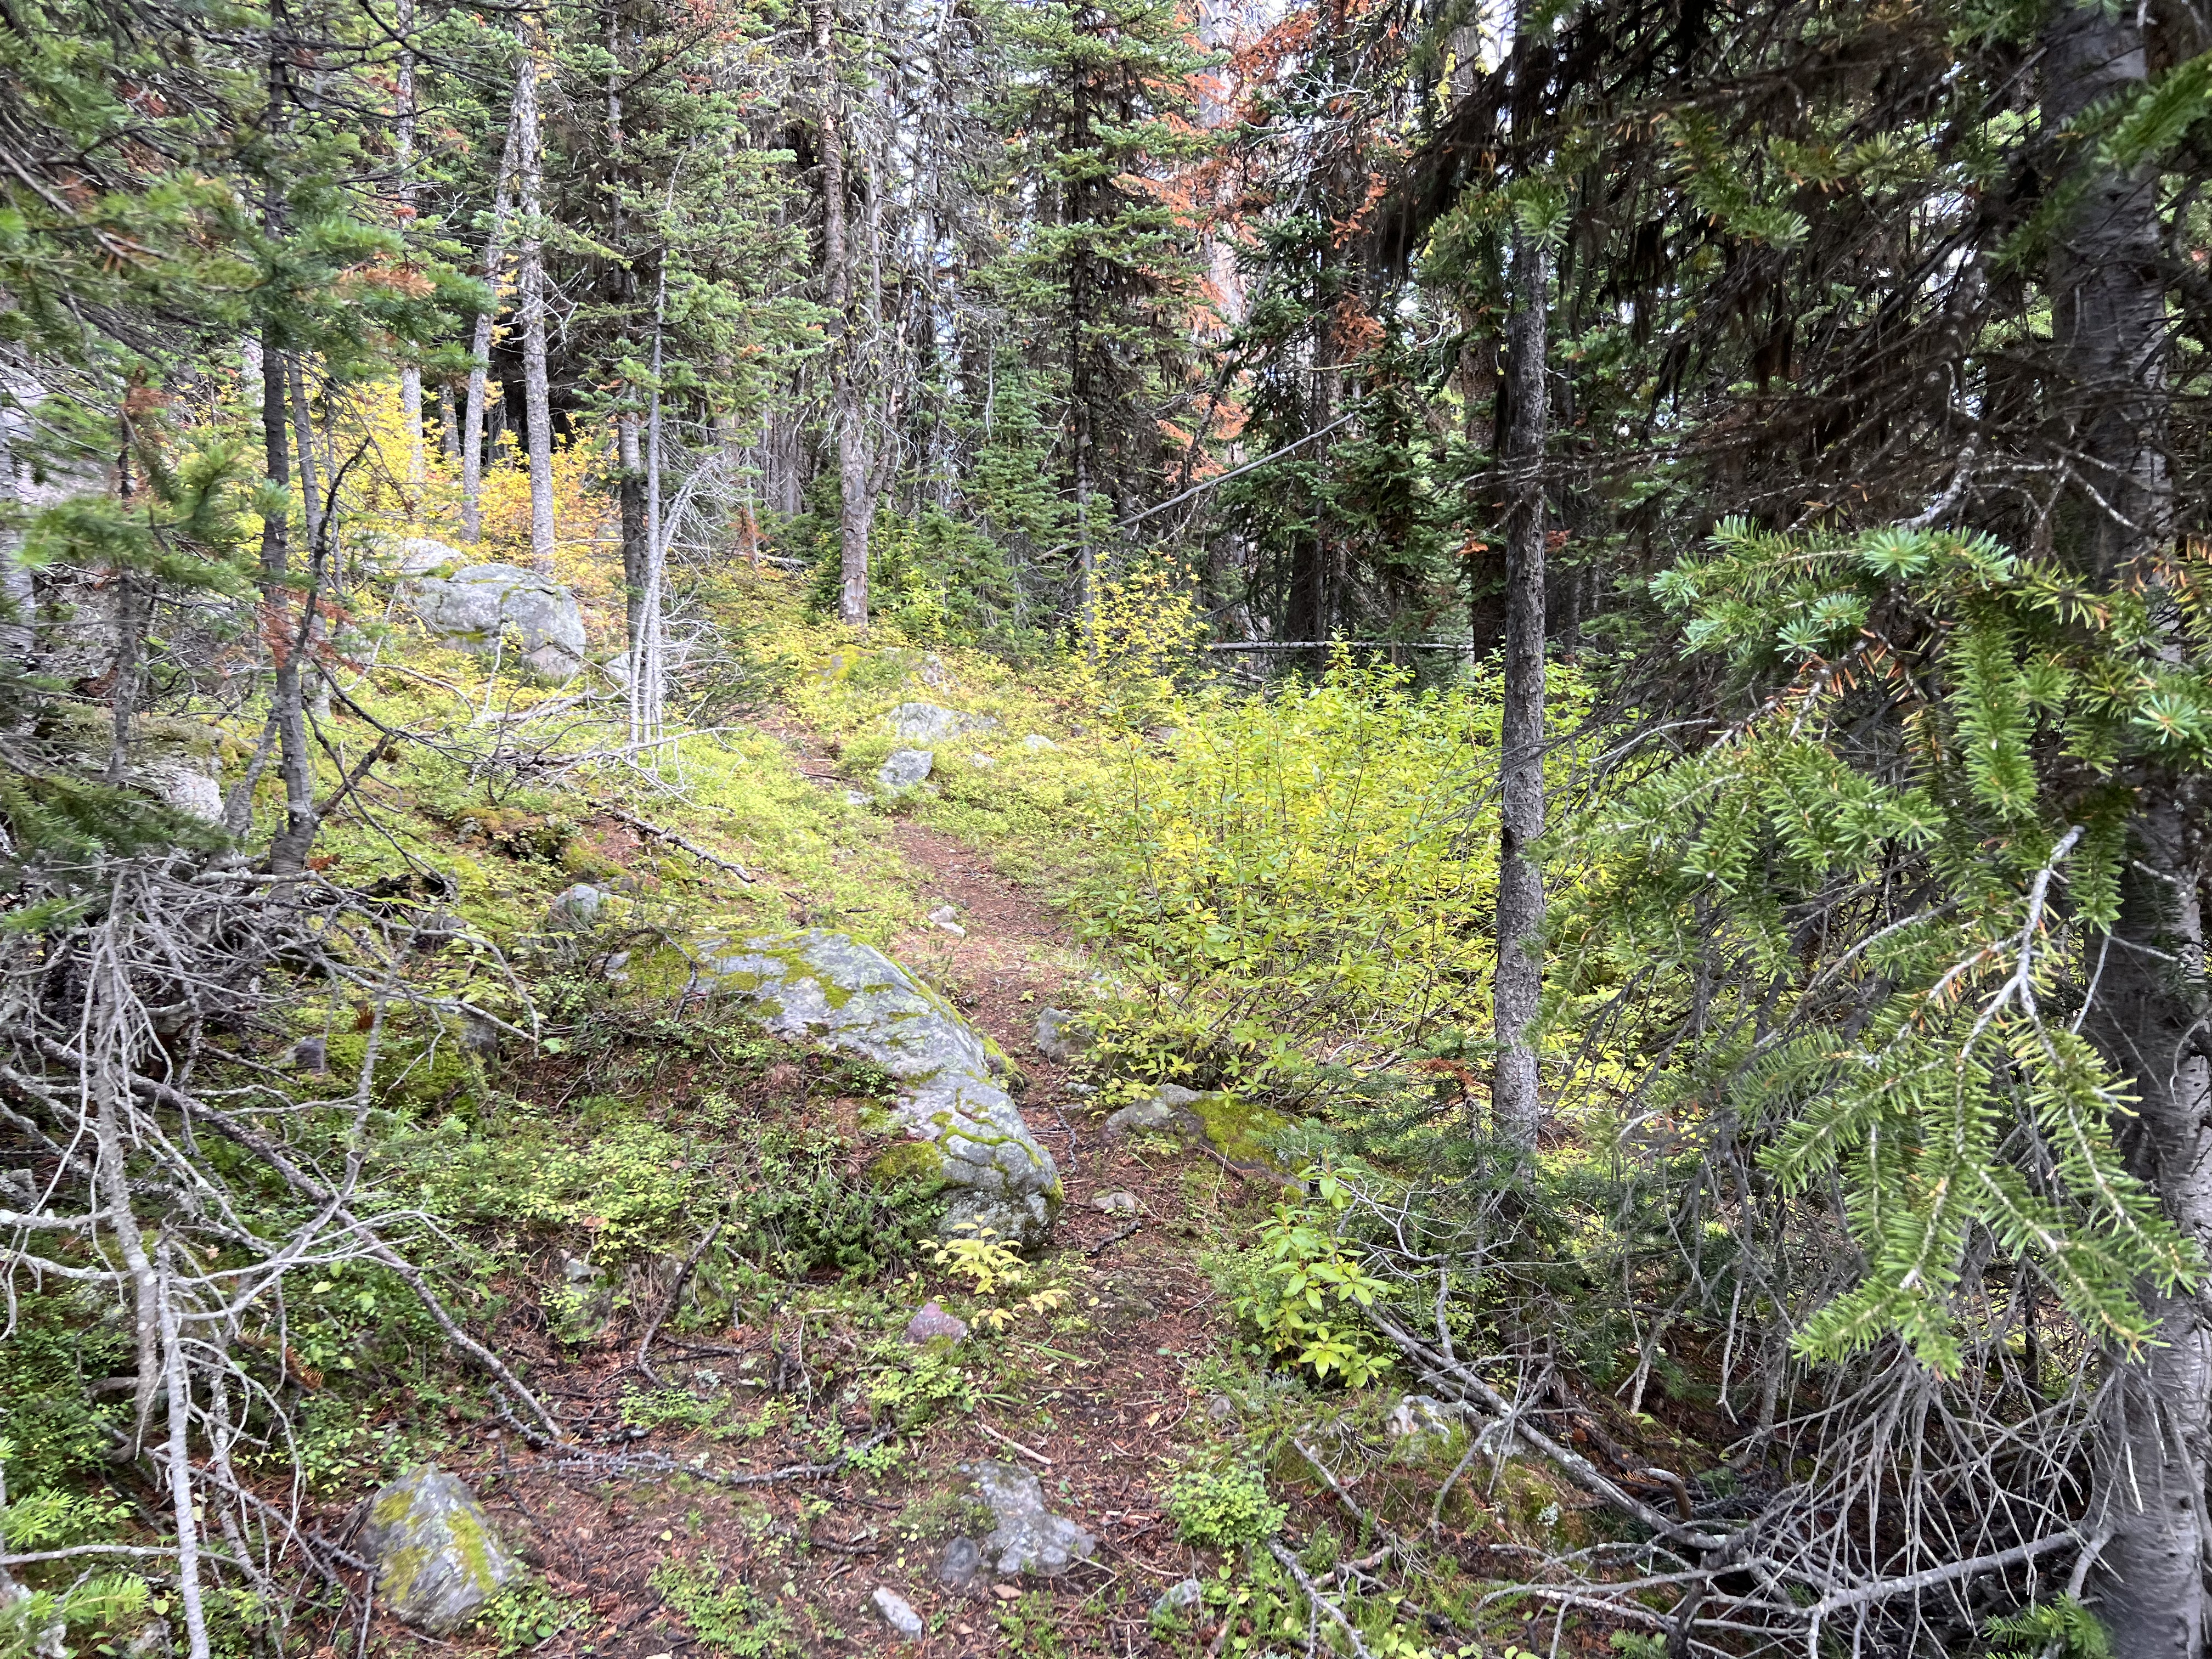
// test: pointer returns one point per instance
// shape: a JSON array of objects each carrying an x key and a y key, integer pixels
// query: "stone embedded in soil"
[
  {"x": 438, "y": 1560},
  {"x": 1417, "y": 1414},
  {"x": 927, "y": 722},
  {"x": 1115, "y": 1203},
  {"x": 895, "y": 1611},
  {"x": 1029, "y": 1537},
  {"x": 1166, "y": 1109},
  {"x": 906, "y": 768},
  {"x": 960, "y": 1566},
  {"x": 1063, "y": 1036},
  {"x": 932, "y": 1323},
  {"x": 1037, "y": 743},
  {"x": 826, "y": 989},
  {"x": 1179, "y": 1597},
  {"x": 578, "y": 906}
]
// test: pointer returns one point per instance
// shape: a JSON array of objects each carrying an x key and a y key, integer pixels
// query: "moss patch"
[
  {"x": 921, "y": 1161},
  {"x": 1241, "y": 1131}
]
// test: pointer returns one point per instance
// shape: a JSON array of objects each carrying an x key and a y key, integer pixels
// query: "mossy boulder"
[
  {"x": 831, "y": 990},
  {"x": 1236, "y": 1129},
  {"x": 438, "y": 1560}
]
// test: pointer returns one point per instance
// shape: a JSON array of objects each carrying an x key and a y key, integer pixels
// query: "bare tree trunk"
[
  {"x": 529, "y": 284},
  {"x": 1517, "y": 1109},
  {"x": 288, "y": 853},
  {"x": 402, "y": 146},
  {"x": 495, "y": 262},
  {"x": 629, "y": 483},
  {"x": 855, "y": 510},
  {"x": 2108, "y": 309}
]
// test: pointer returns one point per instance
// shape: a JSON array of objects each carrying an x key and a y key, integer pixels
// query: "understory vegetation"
[{"x": 1501, "y": 717}]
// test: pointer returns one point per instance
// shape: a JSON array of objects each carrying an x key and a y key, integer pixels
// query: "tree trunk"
[
  {"x": 855, "y": 510},
  {"x": 630, "y": 491},
  {"x": 622, "y": 292},
  {"x": 1517, "y": 1111},
  {"x": 288, "y": 853},
  {"x": 403, "y": 149},
  {"x": 530, "y": 285},
  {"x": 495, "y": 262},
  {"x": 2108, "y": 311}
]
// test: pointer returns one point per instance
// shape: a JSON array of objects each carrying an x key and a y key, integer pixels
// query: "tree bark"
[
  {"x": 495, "y": 262},
  {"x": 403, "y": 148},
  {"x": 530, "y": 296},
  {"x": 2108, "y": 309},
  {"x": 855, "y": 508},
  {"x": 287, "y": 852},
  {"x": 1516, "y": 1108}
]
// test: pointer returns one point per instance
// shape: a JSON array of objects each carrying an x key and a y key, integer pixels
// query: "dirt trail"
[{"x": 1096, "y": 1413}]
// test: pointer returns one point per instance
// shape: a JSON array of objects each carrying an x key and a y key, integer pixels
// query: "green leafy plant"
[
  {"x": 1032, "y": 1628},
  {"x": 997, "y": 1274},
  {"x": 527, "y": 1615},
  {"x": 1305, "y": 1285},
  {"x": 729, "y": 1618},
  {"x": 1223, "y": 1509}
]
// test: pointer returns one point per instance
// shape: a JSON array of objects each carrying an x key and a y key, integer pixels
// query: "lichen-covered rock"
[
  {"x": 479, "y": 604},
  {"x": 438, "y": 1560},
  {"x": 905, "y": 768},
  {"x": 1029, "y": 1537},
  {"x": 1235, "y": 1129},
  {"x": 827, "y": 988},
  {"x": 927, "y": 722}
]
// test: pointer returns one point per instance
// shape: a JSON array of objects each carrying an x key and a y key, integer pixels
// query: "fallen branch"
[
  {"x": 1008, "y": 1440},
  {"x": 675, "y": 1295},
  {"x": 654, "y": 1464},
  {"x": 645, "y": 828},
  {"x": 1455, "y": 1378},
  {"x": 1318, "y": 1602}
]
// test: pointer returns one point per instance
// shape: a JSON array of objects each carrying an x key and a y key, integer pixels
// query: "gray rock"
[
  {"x": 480, "y": 605},
  {"x": 960, "y": 1566},
  {"x": 1419, "y": 1415},
  {"x": 895, "y": 1611},
  {"x": 1115, "y": 1203},
  {"x": 926, "y": 722},
  {"x": 906, "y": 768},
  {"x": 191, "y": 787},
  {"x": 1166, "y": 1111},
  {"x": 981, "y": 762},
  {"x": 310, "y": 1054},
  {"x": 931, "y": 1323},
  {"x": 416, "y": 555},
  {"x": 579, "y": 906},
  {"x": 1063, "y": 1036},
  {"x": 438, "y": 1560},
  {"x": 1179, "y": 1597},
  {"x": 1029, "y": 1537},
  {"x": 827, "y": 988},
  {"x": 854, "y": 797},
  {"x": 1037, "y": 743}
]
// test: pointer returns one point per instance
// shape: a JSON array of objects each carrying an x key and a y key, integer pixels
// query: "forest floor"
[{"x": 648, "y": 1557}]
